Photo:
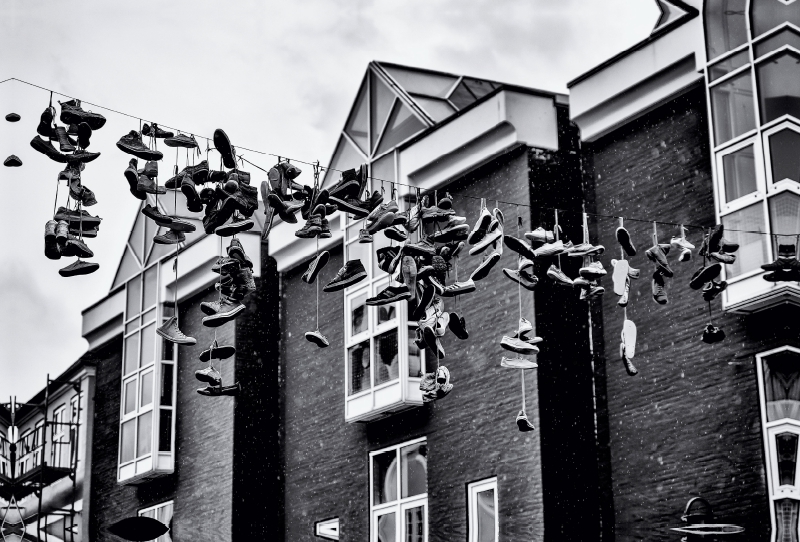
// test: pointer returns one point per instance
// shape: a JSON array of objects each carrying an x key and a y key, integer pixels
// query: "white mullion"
[{"x": 728, "y": 76}]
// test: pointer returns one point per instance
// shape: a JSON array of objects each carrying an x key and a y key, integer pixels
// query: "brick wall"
[
  {"x": 689, "y": 423},
  {"x": 471, "y": 433}
]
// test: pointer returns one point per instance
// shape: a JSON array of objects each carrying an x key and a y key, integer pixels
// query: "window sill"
[
  {"x": 143, "y": 470},
  {"x": 381, "y": 402},
  {"x": 753, "y": 294}
]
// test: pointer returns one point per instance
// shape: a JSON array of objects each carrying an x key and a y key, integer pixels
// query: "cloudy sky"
[{"x": 277, "y": 76}]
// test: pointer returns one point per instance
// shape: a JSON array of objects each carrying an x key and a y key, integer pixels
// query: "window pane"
[
  {"x": 388, "y": 367},
  {"x": 149, "y": 316},
  {"x": 167, "y": 350},
  {"x": 133, "y": 325},
  {"x": 166, "y": 384},
  {"x": 383, "y": 169},
  {"x": 752, "y": 246},
  {"x": 360, "y": 251},
  {"x": 131, "y": 353},
  {"x": 148, "y": 352},
  {"x": 150, "y": 287},
  {"x": 358, "y": 357},
  {"x": 784, "y": 153},
  {"x": 420, "y": 82},
  {"x": 165, "y": 431},
  {"x": 128, "y": 434},
  {"x": 778, "y": 90},
  {"x": 134, "y": 292},
  {"x": 144, "y": 441},
  {"x": 728, "y": 65},
  {"x": 415, "y": 524},
  {"x": 384, "y": 477},
  {"x": 461, "y": 96},
  {"x": 382, "y": 99},
  {"x": 485, "y": 516},
  {"x": 478, "y": 87},
  {"x": 387, "y": 528},
  {"x": 127, "y": 267},
  {"x": 784, "y": 218},
  {"x": 147, "y": 389},
  {"x": 767, "y": 14},
  {"x": 786, "y": 514},
  {"x": 136, "y": 240},
  {"x": 414, "y": 468},
  {"x": 438, "y": 110},
  {"x": 740, "y": 173},
  {"x": 782, "y": 386},
  {"x": 357, "y": 123},
  {"x": 732, "y": 107},
  {"x": 787, "y": 36},
  {"x": 726, "y": 26},
  {"x": 130, "y": 396},
  {"x": 786, "y": 447},
  {"x": 346, "y": 157},
  {"x": 402, "y": 125},
  {"x": 386, "y": 313},
  {"x": 358, "y": 314},
  {"x": 414, "y": 355}
]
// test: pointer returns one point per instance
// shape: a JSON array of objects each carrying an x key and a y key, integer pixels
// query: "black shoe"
[
  {"x": 458, "y": 325},
  {"x": 523, "y": 424},
  {"x": 223, "y": 144},
  {"x": 712, "y": 334},
  {"x": 482, "y": 271},
  {"x": 45, "y": 128},
  {"x": 131, "y": 143},
  {"x": 155, "y": 131},
  {"x": 422, "y": 248},
  {"x": 284, "y": 209},
  {"x": 182, "y": 141},
  {"x": 386, "y": 258},
  {"x": 519, "y": 246},
  {"x": 624, "y": 239},
  {"x": 170, "y": 237},
  {"x": 311, "y": 229},
  {"x": 51, "y": 246},
  {"x": 352, "y": 273},
  {"x": 215, "y": 351},
  {"x": 84, "y": 135},
  {"x": 79, "y": 268},
  {"x": 390, "y": 294},
  {"x": 713, "y": 289},
  {"x": 82, "y": 156},
  {"x": 155, "y": 215},
  {"x": 13, "y": 117},
  {"x": 659, "y": 292},
  {"x": 77, "y": 217},
  {"x": 72, "y": 113},
  {"x": 704, "y": 274},
  {"x": 63, "y": 140},
  {"x": 47, "y": 148},
  {"x": 315, "y": 267},
  {"x": 75, "y": 247},
  {"x": 193, "y": 202},
  {"x": 349, "y": 186},
  {"x": 356, "y": 207},
  {"x": 317, "y": 338},
  {"x": 423, "y": 303},
  {"x": 216, "y": 391},
  {"x": 12, "y": 161},
  {"x": 228, "y": 310},
  {"x": 236, "y": 250},
  {"x": 281, "y": 176},
  {"x": 237, "y": 224},
  {"x": 148, "y": 186},
  {"x": 657, "y": 255}
]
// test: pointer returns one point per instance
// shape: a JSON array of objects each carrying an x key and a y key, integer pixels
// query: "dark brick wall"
[
  {"x": 471, "y": 433},
  {"x": 689, "y": 423}
]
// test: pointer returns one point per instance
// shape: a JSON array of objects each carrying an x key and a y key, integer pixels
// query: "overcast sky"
[{"x": 278, "y": 76}]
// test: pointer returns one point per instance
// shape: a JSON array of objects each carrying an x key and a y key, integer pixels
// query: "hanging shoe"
[
  {"x": 47, "y": 148},
  {"x": 525, "y": 279},
  {"x": 131, "y": 143},
  {"x": 223, "y": 144},
  {"x": 13, "y": 117},
  {"x": 45, "y": 128},
  {"x": 72, "y": 113},
  {"x": 209, "y": 375},
  {"x": 523, "y": 424},
  {"x": 315, "y": 267},
  {"x": 428, "y": 382},
  {"x": 237, "y": 224},
  {"x": 181, "y": 140},
  {"x": 657, "y": 255},
  {"x": 152, "y": 212},
  {"x": 459, "y": 288},
  {"x": 281, "y": 176},
  {"x": 51, "y": 247},
  {"x": 584, "y": 249},
  {"x": 364, "y": 236},
  {"x": 132, "y": 176},
  {"x": 481, "y": 227},
  {"x": 620, "y": 275},
  {"x": 712, "y": 334},
  {"x": 149, "y": 186},
  {"x": 188, "y": 189},
  {"x": 215, "y": 351},
  {"x": 228, "y": 309},
  {"x": 704, "y": 274},
  {"x": 217, "y": 391},
  {"x": 458, "y": 325},
  {"x": 685, "y": 255},
  {"x": 12, "y": 161},
  {"x": 351, "y": 273},
  {"x": 494, "y": 233},
  {"x": 395, "y": 233},
  {"x": 423, "y": 304},
  {"x": 628, "y": 336},
  {"x": 630, "y": 368},
  {"x": 170, "y": 237},
  {"x": 286, "y": 210},
  {"x": 421, "y": 248},
  {"x": 519, "y": 246},
  {"x": 77, "y": 217},
  {"x": 518, "y": 346},
  {"x": 518, "y": 363},
  {"x": 540, "y": 236},
  {"x": 82, "y": 156},
  {"x": 169, "y": 331},
  {"x": 450, "y": 231},
  {"x": 390, "y": 294},
  {"x": 681, "y": 243},
  {"x": 155, "y": 131},
  {"x": 482, "y": 271},
  {"x": 713, "y": 289},
  {"x": 317, "y": 338},
  {"x": 558, "y": 276},
  {"x": 63, "y": 140},
  {"x": 150, "y": 169},
  {"x": 722, "y": 257},
  {"x": 552, "y": 249},
  {"x": 659, "y": 292},
  {"x": 79, "y": 267},
  {"x": 624, "y": 239},
  {"x": 786, "y": 254},
  {"x": 593, "y": 271},
  {"x": 75, "y": 247},
  {"x": 626, "y": 292}
]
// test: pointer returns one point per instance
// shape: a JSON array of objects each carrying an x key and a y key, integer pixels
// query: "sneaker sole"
[
  {"x": 518, "y": 363},
  {"x": 318, "y": 263},
  {"x": 219, "y": 319},
  {"x": 187, "y": 340},
  {"x": 483, "y": 270}
]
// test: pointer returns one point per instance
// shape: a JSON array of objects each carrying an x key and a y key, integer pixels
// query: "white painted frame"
[
  {"x": 167, "y": 537},
  {"x": 473, "y": 489}
]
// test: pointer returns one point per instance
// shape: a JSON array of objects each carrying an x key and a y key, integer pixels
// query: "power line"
[{"x": 282, "y": 156}]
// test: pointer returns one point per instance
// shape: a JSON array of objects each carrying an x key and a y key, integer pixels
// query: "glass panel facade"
[
  {"x": 784, "y": 217},
  {"x": 128, "y": 266},
  {"x": 402, "y": 125},
  {"x": 778, "y": 91},
  {"x": 414, "y": 469},
  {"x": 732, "y": 107},
  {"x": 345, "y": 157},
  {"x": 358, "y": 358},
  {"x": 767, "y": 14},
  {"x": 129, "y": 394},
  {"x": 383, "y": 169},
  {"x": 462, "y": 96},
  {"x": 147, "y": 389},
  {"x": 166, "y": 384},
  {"x": 358, "y": 315},
  {"x": 784, "y": 155},
  {"x": 388, "y": 366},
  {"x": 787, "y": 36},
  {"x": 726, "y": 26},
  {"x": 357, "y": 125},
  {"x": 414, "y": 355},
  {"x": 752, "y": 246},
  {"x": 438, "y": 110},
  {"x": 136, "y": 240},
  {"x": 133, "y": 300},
  {"x": 165, "y": 431},
  {"x": 419, "y": 82},
  {"x": 478, "y": 87},
  {"x": 382, "y": 99},
  {"x": 724, "y": 67},
  {"x": 144, "y": 436},
  {"x": 150, "y": 287},
  {"x": 148, "y": 352},
  {"x": 131, "y": 353},
  {"x": 384, "y": 477},
  {"x": 739, "y": 168}
]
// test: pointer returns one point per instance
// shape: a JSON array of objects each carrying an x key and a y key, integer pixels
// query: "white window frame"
[
  {"x": 400, "y": 505},
  {"x": 58, "y": 437},
  {"x": 155, "y": 462},
  {"x": 473, "y": 489},
  {"x": 152, "y": 512}
]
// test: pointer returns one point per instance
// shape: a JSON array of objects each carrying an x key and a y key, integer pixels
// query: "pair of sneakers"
[
  {"x": 435, "y": 385},
  {"x": 523, "y": 274},
  {"x": 522, "y": 341},
  {"x": 218, "y": 391}
]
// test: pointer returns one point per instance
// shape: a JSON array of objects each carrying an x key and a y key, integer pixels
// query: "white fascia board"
[
  {"x": 638, "y": 82},
  {"x": 505, "y": 119},
  {"x": 289, "y": 250},
  {"x": 103, "y": 312}
]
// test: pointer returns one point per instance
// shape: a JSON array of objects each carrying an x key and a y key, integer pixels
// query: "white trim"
[{"x": 472, "y": 513}]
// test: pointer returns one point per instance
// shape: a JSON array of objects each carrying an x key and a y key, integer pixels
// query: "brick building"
[{"x": 696, "y": 125}]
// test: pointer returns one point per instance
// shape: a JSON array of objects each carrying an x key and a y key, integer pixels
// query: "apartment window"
[
  {"x": 482, "y": 511},
  {"x": 725, "y": 25},
  {"x": 59, "y": 436},
  {"x": 74, "y": 420},
  {"x": 779, "y": 381},
  {"x": 148, "y": 383},
  {"x": 163, "y": 513},
  {"x": 399, "y": 493}
]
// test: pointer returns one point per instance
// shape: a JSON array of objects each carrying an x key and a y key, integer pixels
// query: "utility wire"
[{"x": 326, "y": 168}]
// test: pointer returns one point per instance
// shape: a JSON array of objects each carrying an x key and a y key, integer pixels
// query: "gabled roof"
[{"x": 395, "y": 103}]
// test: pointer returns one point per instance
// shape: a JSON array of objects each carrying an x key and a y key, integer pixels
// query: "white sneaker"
[{"x": 592, "y": 271}]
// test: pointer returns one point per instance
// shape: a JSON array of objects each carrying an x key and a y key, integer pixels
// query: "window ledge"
[
  {"x": 389, "y": 399},
  {"x": 753, "y": 294}
]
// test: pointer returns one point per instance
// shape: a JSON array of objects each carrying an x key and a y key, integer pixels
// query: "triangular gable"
[{"x": 670, "y": 11}]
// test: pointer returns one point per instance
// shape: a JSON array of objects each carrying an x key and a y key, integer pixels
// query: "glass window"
[
  {"x": 162, "y": 512},
  {"x": 767, "y": 14},
  {"x": 482, "y": 509},
  {"x": 384, "y": 477},
  {"x": 147, "y": 354},
  {"x": 387, "y": 528},
  {"x": 150, "y": 287},
  {"x": 165, "y": 431},
  {"x": 388, "y": 366},
  {"x": 784, "y": 155},
  {"x": 438, "y": 110},
  {"x": 358, "y": 315},
  {"x": 144, "y": 437},
  {"x": 400, "y": 493},
  {"x": 402, "y": 125},
  {"x": 166, "y": 384},
  {"x": 345, "y": 157},
  {"x": 414, "y": 470},
  {"x": 420, "y": 82},
  {"x": 382, "y": 99},
  {"x": 461, "y": 96},
  {"x": 784, "y": 218},
  {"x": 786, "y": 514},
  {"x": 740, "y": 173},
  {"x": 787, "y": 36},
  {"x": 127, "y": 439},
  {"x": 752, "y": 246},
  {"x": 131, "y": 353},
  {"x": 129, "y": 396},
  {"x": 732, "y": 107},
  {"x": 357, "y": 124},
  {"x": 478, "y": 87},
  {"x": 414, "y": 355},
  {"x": 415, "y": 524},
  {"x": 147, "y": 389},
  {"x": 133, "y": 304},
  {"x": 786, "y": 446},
  {"x": 383, "y": 169},
  {"x": 724, "y": 67},
  {"x": 778, "y": 91},
  {"x": 726, "y": 26},
  {"x": 359, "y": 367}
]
